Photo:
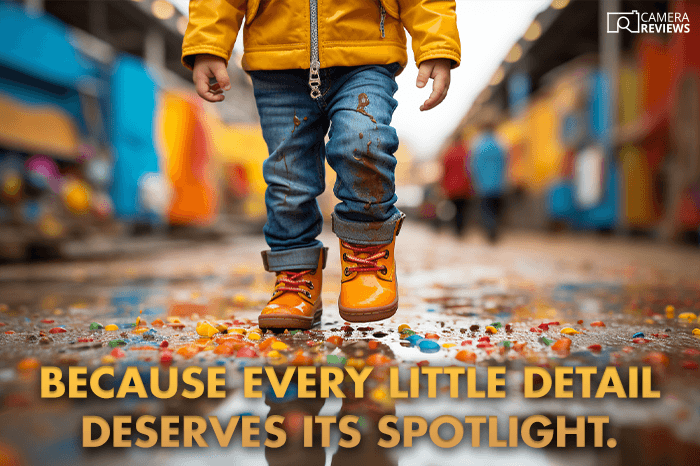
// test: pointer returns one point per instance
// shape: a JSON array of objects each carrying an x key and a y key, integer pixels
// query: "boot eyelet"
[
  {"x": 347, "y": 271},
  {"x": 345, "y": 257},
  {"x": 386, "y": 254},
  {"x": 384, "y": 271},
  {"x": 307, "y": 294},
  {"x": 310, "y": 284}
]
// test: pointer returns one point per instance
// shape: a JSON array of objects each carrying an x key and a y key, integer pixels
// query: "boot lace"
[
  {"x": 366, "y": 264},
  {"x": 292, "y": 282}
]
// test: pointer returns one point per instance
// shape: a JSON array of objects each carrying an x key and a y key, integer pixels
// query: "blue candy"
[
  {"x": 638, "y": 335},
  {"x": 429, "y": 346},
  {"x": 414, "y": 339}
]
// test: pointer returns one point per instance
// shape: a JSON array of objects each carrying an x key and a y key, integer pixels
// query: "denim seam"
[
  {"x": 291, "y": 259},
  {"x": 357, "y": 232}
]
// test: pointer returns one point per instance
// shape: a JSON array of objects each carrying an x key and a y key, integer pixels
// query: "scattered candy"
[
  {"x": 279, "y": 346},
  {"x": 638, "y": 335},
  {"x": 335, "y": 340},
  {"x": 595, "y": 348},
  {"x": 562, "y": 345},
  {"x": 428, "y": 346},
  {"x": 57, "y": 330},
  {"x": 569, "y": 331},
  {"x": 689, "y": 316},
  {"x": 206, "y": 329},
  {"x": 403, "y": 327},
  {"x": 466, "y": 356},
  {"x": 597, "y": 323},
  {"x": 490, "y": 329},
  {"x": 96, "y": 326},
  {"x": 111, "y": 327}
]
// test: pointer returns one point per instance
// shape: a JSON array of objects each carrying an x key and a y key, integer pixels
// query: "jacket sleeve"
[
  {"x": 432, "y": 25},
  {"x": 212, "y": 29}
]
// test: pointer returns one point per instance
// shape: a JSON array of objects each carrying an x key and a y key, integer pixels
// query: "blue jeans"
[{"x": 357, "y": 105}]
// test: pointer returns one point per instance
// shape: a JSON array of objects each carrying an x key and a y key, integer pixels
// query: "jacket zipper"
[
  {"x": 381, "y": 22},
  {"x": 315, "y": 64}
]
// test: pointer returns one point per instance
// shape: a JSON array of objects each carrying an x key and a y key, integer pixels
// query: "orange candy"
[
  {"x": 597, "y": 323},
  {"x": 157, "y": 323},
  {"x": 466, "y": 356},
  {"x": 188, "y": 351},
  {"x": 301, "y": 360},
  {"x": 373, "y": 344},
  {"x": 562, "y": 345},
  {"x": 378, "y": 359},
  {"x": 265, "y": 344},
  {"x": 335, "y": 340}
]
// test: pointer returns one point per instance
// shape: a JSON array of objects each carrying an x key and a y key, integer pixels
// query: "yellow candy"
[
  {"x": 111, "y": 327},
  {"x": 279, "y": 346},
  {"x": 670, "y": 311},
  {"x": 696, "y": 331},
  {"x": 236, "y": 330},
  {"x": 490, "y": 329},
  {"x": 448, "y": 345},
  {"x": 206, "y": 329},
  {"x": 222, "y": 328},
  {"x": 403, "y": 327},
  {"x": 687, "y": 316},
  {"x": 649, "y": 321},
  {"x": 273, "y": 354},
  {"x": 569, "y": 331},
  {"x": 173, "y": 320},
  {"x": 356, "y": 363},
  {"x": 139, "y": 331},
  {"x": 254, "y": 336},
  {"x": 108, "y": 359}
]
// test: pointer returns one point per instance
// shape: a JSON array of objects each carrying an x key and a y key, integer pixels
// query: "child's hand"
[
  {"x": 205, "y": 68},
  {"x": 439, "y": 70}
]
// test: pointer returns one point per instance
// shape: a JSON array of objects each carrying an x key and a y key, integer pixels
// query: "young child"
[{"x": 318, "y": 67}]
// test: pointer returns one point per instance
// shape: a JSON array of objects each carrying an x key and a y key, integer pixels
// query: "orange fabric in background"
[{"x": 186, "y": 144}]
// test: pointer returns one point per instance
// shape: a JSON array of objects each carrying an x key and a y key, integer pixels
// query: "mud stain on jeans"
[
  {"x": 362, "y": 102},
  {"x": 368, "y": 178},
  {"x": 297, "y": 121}
]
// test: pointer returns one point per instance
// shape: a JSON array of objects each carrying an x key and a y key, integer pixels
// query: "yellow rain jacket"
[{"x": 296, "y": 34}]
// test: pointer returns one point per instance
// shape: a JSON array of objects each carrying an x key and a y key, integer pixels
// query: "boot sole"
[
  {"x": 283, "y": 321},
  {"x": 370, "y": 314}
]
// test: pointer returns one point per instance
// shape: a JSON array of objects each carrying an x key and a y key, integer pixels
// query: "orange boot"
[
  {"x": 296, "y": 300},
  {"x": 369, "y": 288}
]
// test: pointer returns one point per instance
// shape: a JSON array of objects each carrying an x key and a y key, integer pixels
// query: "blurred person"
[
  {"x": 456, "y": 182},
  {"x": 314, "y": 66},
  {"x": 488, "y": 171}
]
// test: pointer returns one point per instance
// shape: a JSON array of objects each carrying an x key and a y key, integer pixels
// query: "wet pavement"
[{"x": 531, "y": 300}]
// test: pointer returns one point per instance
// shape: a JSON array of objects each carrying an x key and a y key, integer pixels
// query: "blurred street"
[{"x": 528, "y": 289}]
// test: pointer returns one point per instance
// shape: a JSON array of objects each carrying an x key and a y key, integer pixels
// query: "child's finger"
[
  {"x": 424, "y": 72},
  {"x": 221, "y": 76},
  {"x": 439, "y": 93},
  {"x": 201, "y": 84}
]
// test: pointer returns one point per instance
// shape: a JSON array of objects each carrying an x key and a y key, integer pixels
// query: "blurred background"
[{"x": 558, "y": 125}]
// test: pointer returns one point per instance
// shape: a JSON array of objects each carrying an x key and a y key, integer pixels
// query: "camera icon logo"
[{"x": 627, "y": 21}]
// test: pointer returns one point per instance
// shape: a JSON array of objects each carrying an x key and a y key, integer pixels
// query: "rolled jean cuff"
[
  {"x": 294, "y": 259},
  {"x": 368, "y": 233}
]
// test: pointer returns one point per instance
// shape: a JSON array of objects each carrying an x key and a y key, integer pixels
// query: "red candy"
[{"x": 57, "y": 330}]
